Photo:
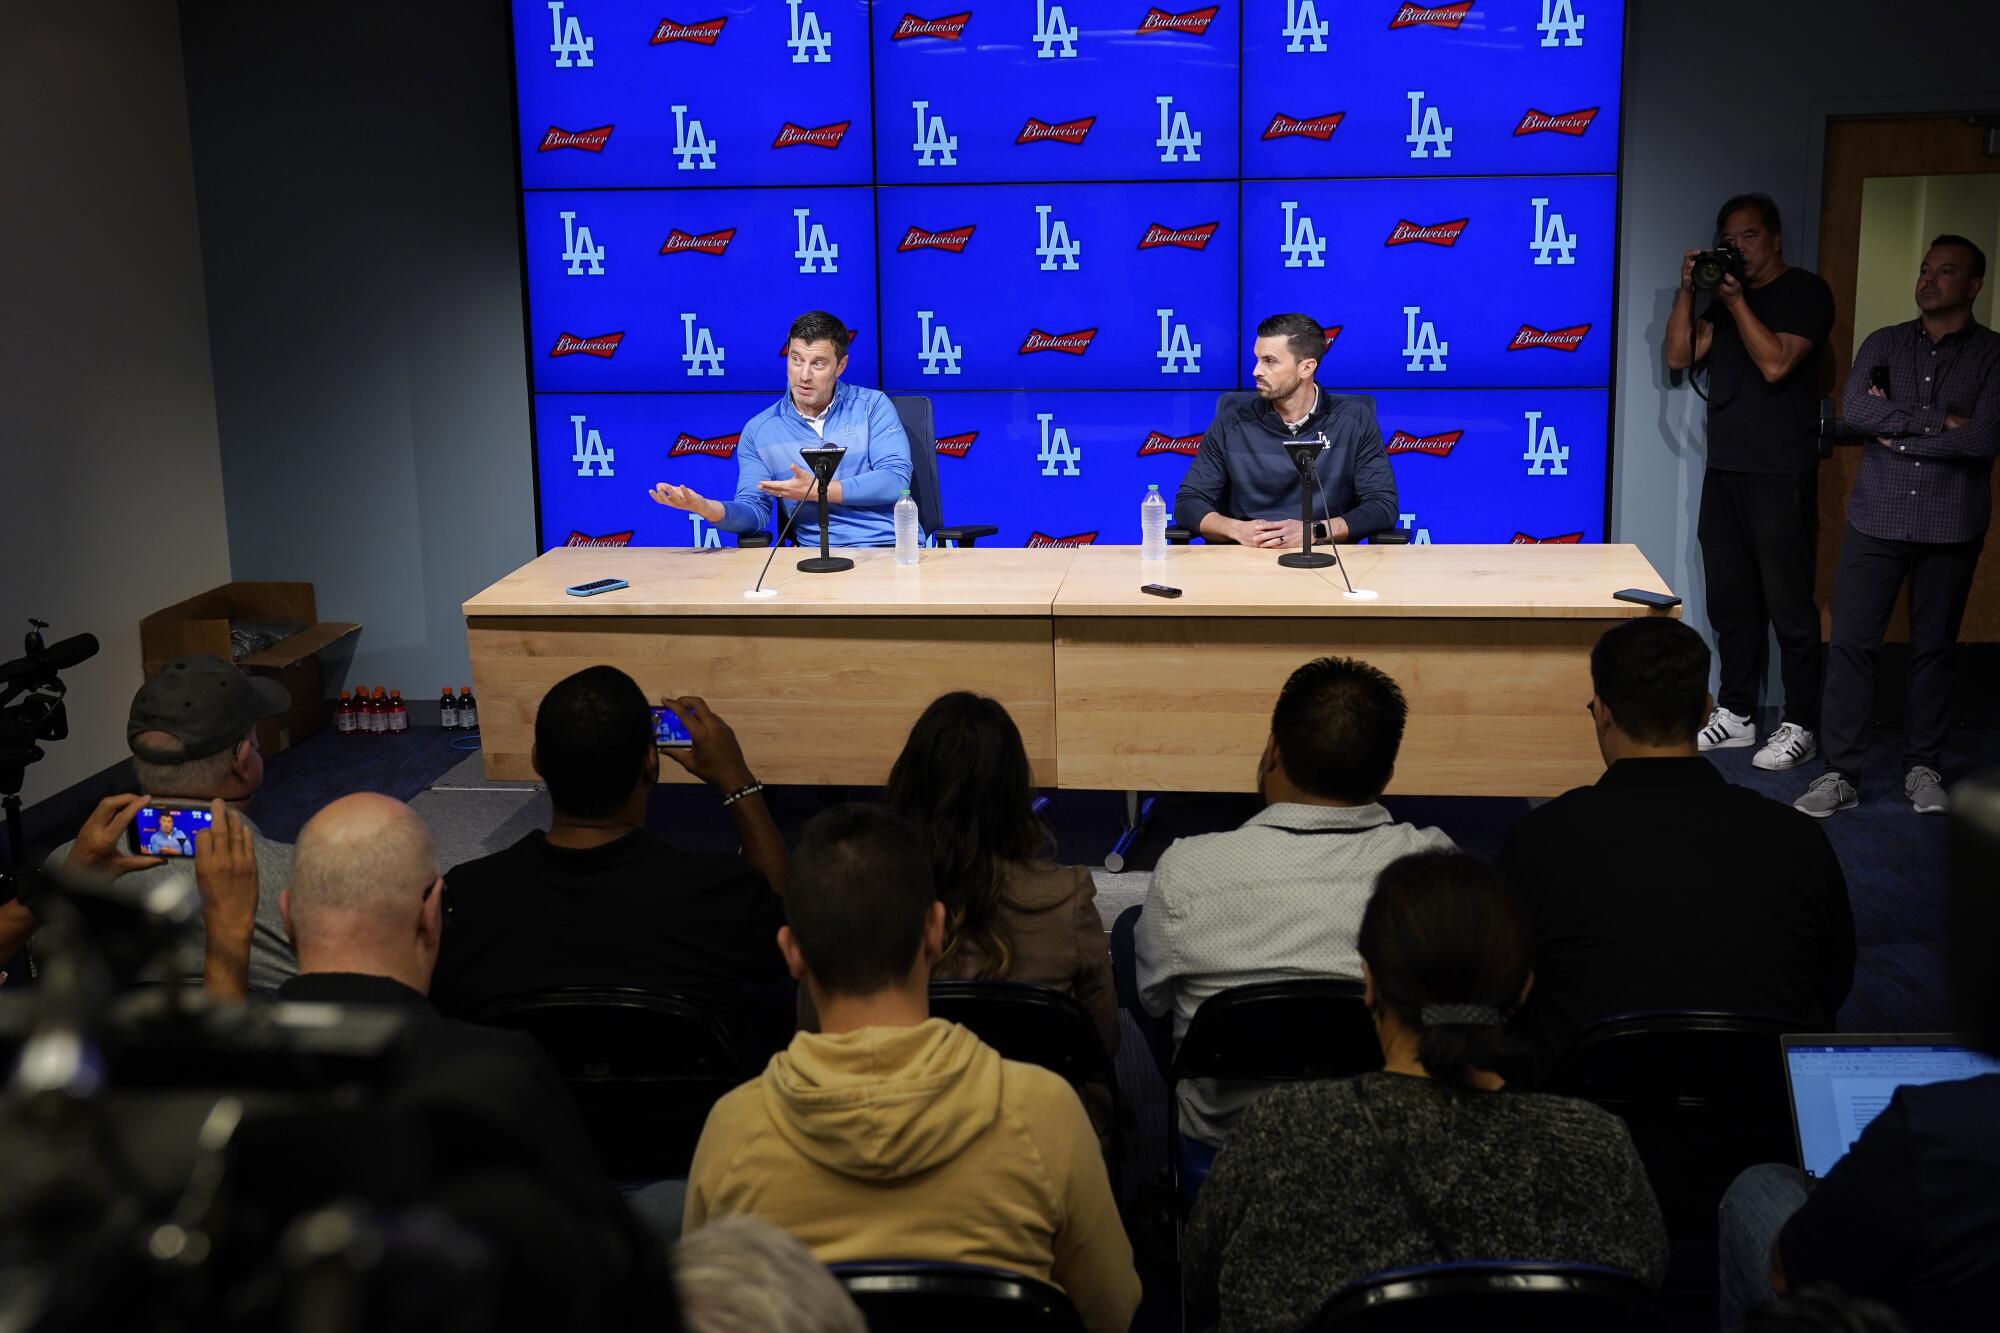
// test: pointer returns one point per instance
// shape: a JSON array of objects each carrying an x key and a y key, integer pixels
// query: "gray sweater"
[{"x": 1304, "y": 1199}]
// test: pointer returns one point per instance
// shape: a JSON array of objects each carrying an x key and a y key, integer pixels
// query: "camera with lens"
[{"x": 1713, "y": 267}]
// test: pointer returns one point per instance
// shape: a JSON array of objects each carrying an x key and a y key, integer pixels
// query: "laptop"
[{"x": 1839, "y": 1082}]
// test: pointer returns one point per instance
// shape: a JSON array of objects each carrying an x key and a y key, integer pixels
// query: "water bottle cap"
[
  {"x": 906, "y": 490},
  {"x": 1152, "y": 487}
]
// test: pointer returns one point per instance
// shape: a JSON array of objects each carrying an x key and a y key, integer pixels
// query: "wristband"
[{"x": 741, "y": 792}]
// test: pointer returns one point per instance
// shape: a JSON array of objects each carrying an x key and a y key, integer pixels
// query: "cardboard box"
[{"x": 201, "y": 625}]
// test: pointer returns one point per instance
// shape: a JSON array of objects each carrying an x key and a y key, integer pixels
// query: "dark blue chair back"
[
  {"x": 911, "y": 1296},
  {"x": 1494, "y": 1297}
]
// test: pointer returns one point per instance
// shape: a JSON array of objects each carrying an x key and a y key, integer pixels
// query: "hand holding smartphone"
[
  {"x": 168, "y": 827},
  {"x": 668, "y": 733}
]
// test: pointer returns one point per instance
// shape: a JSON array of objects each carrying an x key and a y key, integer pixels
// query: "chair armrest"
[
  {"x": 1179, "y": 537},
  {"x": 1389, "y": 537},
  {"x": 759, "y": 539},
  {"x": 965, "y": 534}
]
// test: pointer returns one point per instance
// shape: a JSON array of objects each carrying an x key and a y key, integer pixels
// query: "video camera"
[
  {"x": 31, "y": 710},
  {"x": 1713, "y": 267}
]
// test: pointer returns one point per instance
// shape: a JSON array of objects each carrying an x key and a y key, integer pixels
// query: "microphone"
[
  {"x": 784, "y": 530},
  {"x": 58, "y": 656},
  {"x": 823, "y": 460},
  {"x": 1358, "y": 594},
  {"x": 1304, "y": 454}
]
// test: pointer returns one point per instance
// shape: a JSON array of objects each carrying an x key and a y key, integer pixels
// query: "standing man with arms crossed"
[
  {"x": 1918, "y": 512},
  {"x": 1242, "y": 485},
  {"x": 815, "y": 409},
  {"x": 1761, "y": 339}
]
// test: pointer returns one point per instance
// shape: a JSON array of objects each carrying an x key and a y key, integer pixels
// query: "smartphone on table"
[
  {"x": 668, "y": 733},
  {"x": 167, "y": 828}
]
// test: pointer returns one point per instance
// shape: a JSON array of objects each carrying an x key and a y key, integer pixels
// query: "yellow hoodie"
[{"x": 921, "y": 1143}]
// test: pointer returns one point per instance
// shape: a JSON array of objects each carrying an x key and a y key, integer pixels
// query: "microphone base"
[
  {"x": 825, "y": 564},
  {"x": 1305, "y": 560},
  {"x": 760, "y": 593},
  {"x": 1361, "y": 595}
]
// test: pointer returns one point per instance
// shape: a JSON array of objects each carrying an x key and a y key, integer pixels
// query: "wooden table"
[
  {"x": 1111, "y": 688},
  {"x": 1490, "y": 645}
]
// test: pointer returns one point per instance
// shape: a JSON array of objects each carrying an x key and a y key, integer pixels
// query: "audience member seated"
[
  {"x": 1663, "y": 886},
  {"x": 743, "y": 1275},
  {"x": 1282, "y": 896},
  {"x": 1010, "y": 914},
  {"x": 193, "y": 734},
  {"x": 600, "y": 900},
  {"x": 1823, "y": 1309},
  {"x": 893, "y": 1135},
  {"x": 1325, "y": 1182},
  {"x": 1911, "y": 1215}
]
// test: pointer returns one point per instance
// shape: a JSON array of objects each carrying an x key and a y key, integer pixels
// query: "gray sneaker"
[
  {"x": 1926, "y": 791},
  {"x": 1829, "y": 794}
]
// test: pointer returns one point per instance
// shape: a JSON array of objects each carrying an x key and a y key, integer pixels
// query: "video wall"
[{"x": 1062, "y": 220}]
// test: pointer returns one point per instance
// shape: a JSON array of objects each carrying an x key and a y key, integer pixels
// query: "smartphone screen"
[
  {"x": 167, "y": 830},
  {"x": 667, "y": 729}
]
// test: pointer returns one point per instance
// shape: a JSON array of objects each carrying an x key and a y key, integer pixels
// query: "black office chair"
[
  {"x": 1494, "y": 1297},
  {"x": 914, "y": 411},
  {"x": 911, "y": 1296},
  {"x": 644, "y": 1067},
  {"x": 1702, "y": 1093}
]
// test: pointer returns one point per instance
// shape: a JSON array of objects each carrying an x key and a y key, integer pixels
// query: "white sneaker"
[
  {"x": 1789, "y": 746},
  {"x": 1727, "y": 731}
]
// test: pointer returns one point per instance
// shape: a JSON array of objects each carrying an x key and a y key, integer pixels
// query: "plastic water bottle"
[
  {"x": 1153, "y": 526},
  {"x": 906, "y": 530}
]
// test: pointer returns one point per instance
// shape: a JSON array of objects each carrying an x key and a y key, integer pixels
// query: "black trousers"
[
  {"x": 1757, "y": 533},
  {"x": 1870, "y": 573}
]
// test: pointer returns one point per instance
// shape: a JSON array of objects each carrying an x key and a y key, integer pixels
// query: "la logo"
[
  {"x": 691, "y": 142},
  {"x": 1052, "y": 30},
  {"x": 1554, "y": 243},
  {"x": 1420, "y": 341},
  {"x": 1546, "y": 456},
  {"x": 1560, "y": 16},
  {"x": 567, "y": 43},
  {"x": 590, "y": 451},
  {"x": 1176, "y": 135},
  {"x": 1302, "y": 25},
  {"x": 1428, "y": 136},
  {"x": 703, "y": 357},
  {"x": 583, "y": 255},
  {"x": 1179, "y": 354},
  {"x": 934, "y": 148},
  {"x": 1058, "y": 457},
  {"x": 1303, "y": 247},
  {"x": 808, "y": 43},
  {"x": 813, "y": 247},
  {"x": 1056, "y": 248},
  {"x": 704, "y": 536},
  {"x": 934, "y": 346}
]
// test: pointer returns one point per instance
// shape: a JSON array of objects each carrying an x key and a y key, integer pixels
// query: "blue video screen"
[
  {"x": 1061, "y": 221},
  {"x": 159, "y": 830}
]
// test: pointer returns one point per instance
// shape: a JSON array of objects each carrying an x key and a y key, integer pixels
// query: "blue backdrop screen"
[{"x": 1062, "y": 220}]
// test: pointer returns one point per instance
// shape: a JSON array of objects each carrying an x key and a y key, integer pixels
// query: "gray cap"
[{"x": 204, "y": 703}]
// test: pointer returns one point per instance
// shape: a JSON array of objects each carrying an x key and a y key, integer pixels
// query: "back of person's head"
[
  {"x": 192, "y": 729},
  {"x": 1652, "y": 673},
  {"x": 1447, "y": 944},
  {"x": 362, "y": 874},
  {"x": 593, "y": 736},
  {"x": 963, "y": 780},
  {"x": 741, "y": 1274},
  {"x": 1823, "y": 1308},
  {"x": 1339, "y": 723},
  {"x": 857, "y": 899}
]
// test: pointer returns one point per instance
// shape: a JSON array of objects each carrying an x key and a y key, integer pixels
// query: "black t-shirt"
[
  {"x": 635, "y": 912},
  {"x": 1753, "y": 425},
  {"x": 1911, "y": 1215}
]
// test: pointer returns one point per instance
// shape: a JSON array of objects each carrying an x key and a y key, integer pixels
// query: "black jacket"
[{"x": 1242, "y": 470}]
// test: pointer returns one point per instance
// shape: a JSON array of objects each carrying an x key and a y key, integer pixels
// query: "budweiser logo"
[
  {"x": 590, "y": 141},
  {"x": 826, "y": 136},
  {"x": 1036, "y": 539},
  {"x": 1076, "y": 344},
  {"x": 1431, "y": 16},
  {"x": 603, "y": 345},
  {"x": 708, "y": 243},
  {"x": 1195, "y": 21},
  {"x": 1187, "y": 238},
  {"x": 1438, "y": 233},
  {"x": 576, "y": 538},
  {"x": 1437, "y": 446},
  {"x": 1319, "y": 127},
  {"x": 1333, "y": 331},
  {"x": 703, "y": 33},
  {"x": 947, "y": 29},
  {"x": 1158, "y": 442},
  {"x": 916, "y": 238},
  {"x": 1562, "y": 340},
  {"x": 716, "y": 446},
  {"x": 956, "y": 446},
  {"x": 1572, "y": 123},
  {"x": 1069, "y": 131},
  {"x": 1567, "y": 539}
]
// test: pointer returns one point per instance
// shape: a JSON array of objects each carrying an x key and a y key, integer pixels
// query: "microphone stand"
[
  {"x": 1304, "y": 454},
  {"x": 823, "y": 460}
]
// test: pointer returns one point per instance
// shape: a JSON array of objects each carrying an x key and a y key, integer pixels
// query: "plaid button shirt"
[{"x": 1930, "y": 483}]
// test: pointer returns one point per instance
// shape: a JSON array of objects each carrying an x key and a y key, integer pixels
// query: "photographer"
[{"x": 1760, "y": 338}]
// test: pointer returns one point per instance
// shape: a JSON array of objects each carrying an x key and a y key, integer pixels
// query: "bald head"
[{"x": 362, "y": 871}]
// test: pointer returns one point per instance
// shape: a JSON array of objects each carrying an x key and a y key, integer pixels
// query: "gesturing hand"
[
  {"x": 680, "y": 497},
  {"x": 799, "y": 486}
]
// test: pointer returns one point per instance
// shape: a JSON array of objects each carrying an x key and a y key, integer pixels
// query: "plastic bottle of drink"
[
  {"x": 1153, "y": 526},
  {"x": 906, "y": 530},
  {"x": 378, "y": 712},
  {"x": 468, "y": 710},
  {"x": 399, "y": 716},
  {"x": 448, "y": 710},
  {"x": 343, "y": 716},
  {"x": 364, "y": 712}
]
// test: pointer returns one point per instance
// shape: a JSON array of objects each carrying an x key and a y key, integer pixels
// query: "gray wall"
[
  {"x": 359, "y": 230},
  {"x": 1750, "y": 116},
  {"x": 111, "y": 495}
]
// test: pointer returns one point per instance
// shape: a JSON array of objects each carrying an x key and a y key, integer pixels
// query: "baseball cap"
[{"x": 204, "y": 703}]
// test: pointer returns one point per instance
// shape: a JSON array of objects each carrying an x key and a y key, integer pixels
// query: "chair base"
[
  {"x": 825, "y": 564},
  {"x": 1305, "y": 560}
]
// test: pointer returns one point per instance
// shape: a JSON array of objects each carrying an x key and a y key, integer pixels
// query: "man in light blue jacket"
[{"x": 815, "y": 409}]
